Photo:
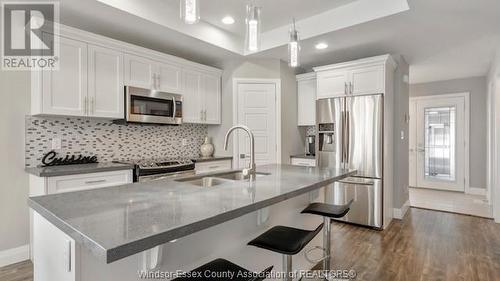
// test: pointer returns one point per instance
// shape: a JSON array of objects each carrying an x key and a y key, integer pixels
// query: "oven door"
[{"x": 149, "y": 106}]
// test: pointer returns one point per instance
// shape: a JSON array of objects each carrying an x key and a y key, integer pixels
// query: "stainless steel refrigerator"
[{"x": 350, "y": 135}]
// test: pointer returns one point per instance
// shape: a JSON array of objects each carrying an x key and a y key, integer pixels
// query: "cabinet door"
[
  {"x": 332, "y": 83},
  {"x": 169, "y": 78},
  {"x": 306, "y": 111},
  {"x": 192, "y": 104},
  {"x": 211, "y": 99},
  {"x": 106, "y": 92},
  {"x": 368, "y": 80},
  {"x": 139, "y": 72},
  {"x": 64, "y": 91}
]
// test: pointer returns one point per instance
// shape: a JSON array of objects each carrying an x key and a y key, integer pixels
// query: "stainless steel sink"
[
  {"x": 238, "y": 176},
  {"x": 203, "y": 181},
  {"x": 218, "y": 178}
]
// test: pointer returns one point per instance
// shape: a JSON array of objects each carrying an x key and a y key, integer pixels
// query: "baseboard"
[
  {"x": 401, "y": 212},
  {"x": 14, "y": 255},
  {"x": 477, "y": 191}
]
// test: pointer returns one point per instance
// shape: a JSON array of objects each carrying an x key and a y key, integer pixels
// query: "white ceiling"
[{"x": 441, "y": 40}]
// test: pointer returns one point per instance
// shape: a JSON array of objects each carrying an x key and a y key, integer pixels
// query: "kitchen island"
[{"x": 118, "y": 232}]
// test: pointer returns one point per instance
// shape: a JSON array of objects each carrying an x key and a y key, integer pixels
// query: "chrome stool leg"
[
  {"x": 327, "y": 242},
  {"x": 287, "y": 267}
]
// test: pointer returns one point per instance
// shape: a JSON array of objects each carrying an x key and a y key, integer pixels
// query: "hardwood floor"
[
  {"x": 425, "y": 245},
  {"x": 22, "y": 271}
]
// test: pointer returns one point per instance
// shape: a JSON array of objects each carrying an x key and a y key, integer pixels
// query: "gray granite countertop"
[
  {"x": 213, "y": 158},
  {"x": 66, "y": 170},
  {"x": 117, "y": 222}
]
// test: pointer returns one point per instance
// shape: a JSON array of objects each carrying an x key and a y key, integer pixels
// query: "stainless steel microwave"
[{"x": 151, "y": 106}]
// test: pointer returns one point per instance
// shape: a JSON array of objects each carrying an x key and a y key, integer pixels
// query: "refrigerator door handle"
[
  {"x": 343, "y": 138},
  {"x": 348, "y": 139}
]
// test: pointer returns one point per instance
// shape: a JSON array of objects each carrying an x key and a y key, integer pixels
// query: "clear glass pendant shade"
[
  {"x": 253, "y": 26},
  {"x": 190, "y": 11},
  {"x": 294, "y": 47}
]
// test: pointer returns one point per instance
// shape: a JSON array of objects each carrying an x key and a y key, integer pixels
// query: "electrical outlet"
[
  {"x": 56, "y": 143},
  {"x": 402, "y": 135},
  {"x": 184, "y": 142}
]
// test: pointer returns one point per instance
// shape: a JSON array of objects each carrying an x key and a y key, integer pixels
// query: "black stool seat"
[
  {"x": 223, "y": 266},
  {"x": 285, "y": 240},
  {"x": 328, "y": 210}
]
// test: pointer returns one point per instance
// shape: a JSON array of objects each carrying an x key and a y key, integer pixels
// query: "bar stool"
[
  {"x": 327, "y": 211},
  {"x": 285, "y": 240},
  {"x": 223, "y": 266}
]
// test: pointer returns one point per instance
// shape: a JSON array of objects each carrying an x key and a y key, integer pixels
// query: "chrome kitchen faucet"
[{"x": 252, "y": 167}]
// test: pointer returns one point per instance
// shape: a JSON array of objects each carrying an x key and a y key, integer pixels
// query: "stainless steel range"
[{"x": 156, "y": 169}]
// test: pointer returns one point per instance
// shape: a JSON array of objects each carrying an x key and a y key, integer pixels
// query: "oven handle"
[{"x": 165, "y": 176}]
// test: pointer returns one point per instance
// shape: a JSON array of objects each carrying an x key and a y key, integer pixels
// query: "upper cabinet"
[
  {"x": 306, "y": 105},
  {"x": 149, "y": 74},
  {"x": 359, "y": 77},
  {"x": 94, "y": 70},
  {"x": 105, "y": 85},
  {"x": 201, "y": 97}
]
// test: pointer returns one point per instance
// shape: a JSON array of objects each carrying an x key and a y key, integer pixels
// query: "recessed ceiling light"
[
  {"x": 228, "y": 20},
  {"x": 321, "y": 46}
]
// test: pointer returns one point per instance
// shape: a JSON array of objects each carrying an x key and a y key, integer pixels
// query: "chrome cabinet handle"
[
  {"x": 94, "y": 182},
  {"x": 85, "y": 105},
  {"x": 159, "y": 79},
  {"x": 351, "y": 88},
  {"x": 345, "y": 88},
  {"x": 92, "y": 105}
]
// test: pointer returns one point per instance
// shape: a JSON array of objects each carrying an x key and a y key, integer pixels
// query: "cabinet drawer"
[
  {"x": 303, "y": 162},
  {"x": 88, "y": 181},
  {"x": 213, "y": 166}
]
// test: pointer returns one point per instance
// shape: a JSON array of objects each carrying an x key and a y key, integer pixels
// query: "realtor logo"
[{"x": 30, "y": 35}]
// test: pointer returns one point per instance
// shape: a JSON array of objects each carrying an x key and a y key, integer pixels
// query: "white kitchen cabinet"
[
  {"x": 140, "y": 72},
  {"x": 212, "y": 99},
  {"x": 332, "y": 83},
  {"x": 306, "y": 97},
  {"x": 201, "y": 98},
  {"x": 213, "y": 166},
  {"x": 87, "y": 181},
  {"x": 169, "y": 78},
  {"x": 192, "y": 108},
  {"x": 359, "y": 77},
  {"x": 305, "y": 162},
  {"x": 64, "y": 91},
  {"x": 105, "y": 82},
  {"x": 367, "y": 80}
]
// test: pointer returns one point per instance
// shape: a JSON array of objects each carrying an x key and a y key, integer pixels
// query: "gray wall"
[
  {"x": 14, "y": 216},
  {"x": 401, "y": 147},
  {"x": 264, "y": 69},
  {"x": 477, "y": 87}
]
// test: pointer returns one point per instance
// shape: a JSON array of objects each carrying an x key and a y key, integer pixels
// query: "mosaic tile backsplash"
[{"x": 110, "y": 141}]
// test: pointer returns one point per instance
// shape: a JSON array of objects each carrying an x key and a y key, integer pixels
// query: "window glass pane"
[{"x": 440, "y": 143}]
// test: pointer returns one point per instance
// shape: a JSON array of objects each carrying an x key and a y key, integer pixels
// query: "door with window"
[{"x": 439, "y": 147}]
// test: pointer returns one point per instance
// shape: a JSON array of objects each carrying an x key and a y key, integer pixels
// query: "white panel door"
[
  {"x": 169, "y": 78},
  {"x": 106, "y": 90},
  {"x": 212, "y": 99},
  {"x": 64, "y": 91},
  {"x": 306, "y": 106},
  {"x": 332, "y": 83},
  {"x": 441, "y": 143},
  {"x": 257, "y": 110},
  {"x": 140, "y": 72},
  {"x": 192, "y": 110},
  {"x": 368, "y": 80}
]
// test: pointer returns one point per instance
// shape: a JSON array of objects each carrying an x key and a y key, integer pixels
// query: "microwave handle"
[{"x": 175, "y": 107}]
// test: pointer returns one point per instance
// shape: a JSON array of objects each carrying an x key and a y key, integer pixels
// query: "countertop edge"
[
  {"x": 211, "y": 159},
  {"x": 117, "y": 253}
]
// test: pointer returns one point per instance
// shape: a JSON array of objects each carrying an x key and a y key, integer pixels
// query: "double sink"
[{"x": 209, "y": 180}]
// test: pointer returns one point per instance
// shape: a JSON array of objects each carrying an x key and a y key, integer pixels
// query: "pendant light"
[
  {"x": 190, "y": 11},
  {"x": 253, "y": 25},
  {"x": 293, "y": 47}
]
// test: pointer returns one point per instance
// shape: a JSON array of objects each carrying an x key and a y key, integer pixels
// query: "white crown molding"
[{"x": 361, "y": 62}]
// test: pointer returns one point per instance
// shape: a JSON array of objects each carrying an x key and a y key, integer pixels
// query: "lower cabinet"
[
  {"x": 306, "y": 162},
  {"x": 213, "y": 166}
]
